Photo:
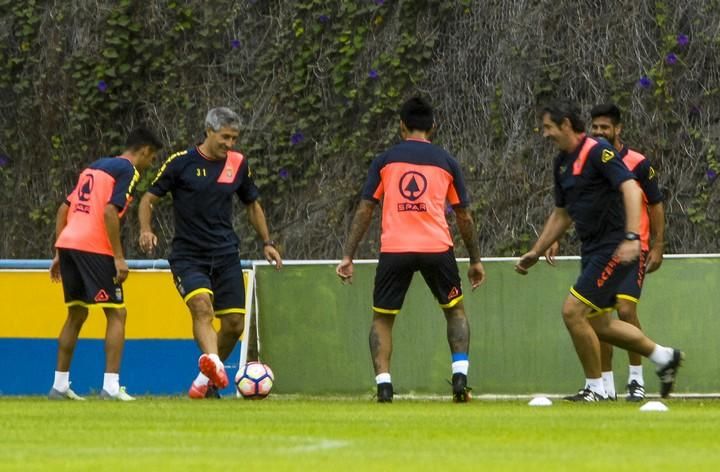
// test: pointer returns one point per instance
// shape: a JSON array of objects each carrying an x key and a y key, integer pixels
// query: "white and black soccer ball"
[{"x": 254, "y": 380}]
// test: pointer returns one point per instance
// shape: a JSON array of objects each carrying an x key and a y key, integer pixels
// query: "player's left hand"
[
  {"x": 55, "y": 269},
  {"x": 628, "y": 251},
  {"x": 476, "y": 274},
  {"x": 272, "y": 255},
  {"x": 654, "y": 259},
  {"x": 344, "y": 270}
]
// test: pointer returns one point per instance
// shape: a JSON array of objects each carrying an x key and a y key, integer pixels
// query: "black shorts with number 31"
[{"x": 395, "y": 271}]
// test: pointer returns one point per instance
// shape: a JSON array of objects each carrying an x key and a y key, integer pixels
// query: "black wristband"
[{"x": 270, "y": 242}]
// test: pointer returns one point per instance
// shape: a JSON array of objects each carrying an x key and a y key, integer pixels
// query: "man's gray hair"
[{"x": 222, "y": 117}]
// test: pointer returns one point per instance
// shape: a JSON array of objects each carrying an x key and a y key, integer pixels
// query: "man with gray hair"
[{"x": 204, "y": 258}]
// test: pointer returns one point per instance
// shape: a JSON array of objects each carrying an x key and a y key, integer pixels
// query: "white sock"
[
  {"x": 596, "y": 385},
  {"x": 636, "y": 374},
  {"x": 460, "y": 367},
  {"x": 609, "y": 383},
  {"x": 62, "y": 381},
  {"x": 201, "y": 380},
  {"x": 383, "y": 378},
  {"x": 216, "y": 359},
  {"x": 661, "y": 355},
  {"x": 111, "y": 383}
]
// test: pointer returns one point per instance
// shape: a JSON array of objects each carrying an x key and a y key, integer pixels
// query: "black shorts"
[
  {"x": 604, "y": 278},
  {"x": 90, "y": 279},
  {"x": 221, "y": 277},
  {"x": 395, "y": 271},
  {"x": 631, "y": 286}
]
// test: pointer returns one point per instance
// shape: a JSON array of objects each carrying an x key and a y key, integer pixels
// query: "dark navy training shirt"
[
  {"x": 587, "y": 182},
  {"x": 202, "y": 191}
]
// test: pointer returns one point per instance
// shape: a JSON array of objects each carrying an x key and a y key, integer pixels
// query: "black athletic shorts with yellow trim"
[
  {"x": 395, "y": 271},
  {"x": 631, "y": 286},
  {"x": 220, "y": 276},
  {"x": 602, "y": 278},
  {"x": 90, "y": 279}
]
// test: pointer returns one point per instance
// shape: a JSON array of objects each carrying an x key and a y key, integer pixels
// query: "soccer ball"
[{"x": 254, "y": 380}]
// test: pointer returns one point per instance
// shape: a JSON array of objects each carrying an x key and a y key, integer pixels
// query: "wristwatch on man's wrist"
[
  {"x": 630, "y": 236},
  {"x": 270, "y": 242}
]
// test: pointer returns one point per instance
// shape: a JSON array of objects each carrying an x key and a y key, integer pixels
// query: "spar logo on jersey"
[
  {"x": 84, "y": 190},
  {"x": 412, "y": 186}
]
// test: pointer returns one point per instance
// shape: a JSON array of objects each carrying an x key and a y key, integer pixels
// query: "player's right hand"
[
  {"x": 147, "y": 241},
  {"x": 528, "y": 260},
  {"x": 551, "y": 252},
  {"x": 344, "y": 270},
  {"x": 476, "y": 274},
  {"x": 121, "y": 269},
  {"x": 55, "y": 269}
]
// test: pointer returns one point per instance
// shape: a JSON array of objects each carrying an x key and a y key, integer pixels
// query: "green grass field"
[{"x": 292, "y": 433}]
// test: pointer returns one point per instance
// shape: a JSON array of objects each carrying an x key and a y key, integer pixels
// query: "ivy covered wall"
[{"x": 318, "y": 84}]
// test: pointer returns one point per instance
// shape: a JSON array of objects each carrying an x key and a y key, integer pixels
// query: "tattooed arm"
[{"x": 360, "y": 224}]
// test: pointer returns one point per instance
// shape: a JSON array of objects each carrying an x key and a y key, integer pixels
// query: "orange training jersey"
[
  {"x": 107, "y": 180},
  {"x": 646, "y": 176},
  {"x": 415, "y": 180}
]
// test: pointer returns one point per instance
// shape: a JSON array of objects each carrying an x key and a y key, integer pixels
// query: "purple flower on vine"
[
  {"x": 283, "y": 173},
  {"x": 645, "y": 82},
  {"x": 379, "y": 2},
  {"x": 4, "y": 160},
  {"x": 235, "y": 43},
  {"x": 323, "y": 19},
  {"x": 683, "y": 40},
  {"x": 296, "y": 138},
  {"x": 671, "y": 59},
  {"x": 711, "y": 175},
  {"x": 102, "y": 86},
  {"x": 373, "y": 74}
]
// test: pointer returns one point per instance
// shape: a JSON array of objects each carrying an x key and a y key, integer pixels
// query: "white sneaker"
[
  {"x": 68, "y": 394},
  {"x": 122, "y": 395}
]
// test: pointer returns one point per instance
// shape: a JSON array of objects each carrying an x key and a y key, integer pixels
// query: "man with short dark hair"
[
  {"x": 595, "y": 190},
  {"x": 204, "y": 259},
  {"x": 607, "y": 123},
  {"x": 415, "y": 180},
  {"x": 89, "y": 258}
]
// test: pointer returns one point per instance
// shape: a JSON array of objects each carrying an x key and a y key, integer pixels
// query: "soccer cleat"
[
  {"x": 585, "y": 395},
  {"x": 668, "y": 373},
  {"x": 197, "y": 392},
  {"x": 461, "y": 392},
  {"x": 384, "y": 392},
  {"x": 636, "y": 392},
  {"x": 122, "y": 395},
  {"x": 212, "y": 391},
  {"x": 216, "y": 374},
  {"x": 66, "y": 395}
]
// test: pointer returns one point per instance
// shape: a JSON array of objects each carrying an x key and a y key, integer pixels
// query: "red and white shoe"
[
  {"x": 197, "y": 392},
  {"x": 215, "y": 373}
]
